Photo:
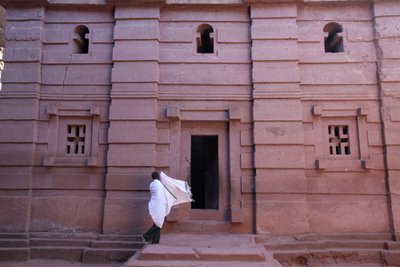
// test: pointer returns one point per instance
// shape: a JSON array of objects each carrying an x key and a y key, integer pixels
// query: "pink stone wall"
[{"x": 269, "y": 92}]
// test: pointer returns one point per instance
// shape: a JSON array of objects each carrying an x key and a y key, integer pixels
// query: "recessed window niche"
[
  {"x": 81, "y": 40},
  {"x": 205, "y": 39},
  {"x": 333, "y": 38}
]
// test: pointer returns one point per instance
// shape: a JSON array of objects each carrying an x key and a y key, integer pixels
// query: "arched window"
[
  {"x": 205, "y": 39},
  {"x": 333, "y": 38},
  {"x": 81, "y": 40}
]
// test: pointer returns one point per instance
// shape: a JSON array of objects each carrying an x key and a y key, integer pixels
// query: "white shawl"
[{"x": 166, "y": 193}]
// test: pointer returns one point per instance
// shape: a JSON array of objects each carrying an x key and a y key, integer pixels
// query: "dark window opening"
[
  {"x": 334, "y": 40},
  {"x": 339, "y": 140},
  {"x": 205, "y": 39},
  {"x": 76, "y": 139},
  {"x": 81, "y": 40},
  {"x": 204, "y": 172}
]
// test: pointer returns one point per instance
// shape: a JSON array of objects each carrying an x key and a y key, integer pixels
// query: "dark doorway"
[{"x": 204, "y": 171}]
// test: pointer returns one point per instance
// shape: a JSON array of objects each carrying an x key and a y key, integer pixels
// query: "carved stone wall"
[{"x": 95, "y": 99}]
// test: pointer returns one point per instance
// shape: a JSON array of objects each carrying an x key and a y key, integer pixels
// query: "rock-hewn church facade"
[{"x": 283, "y": 116}]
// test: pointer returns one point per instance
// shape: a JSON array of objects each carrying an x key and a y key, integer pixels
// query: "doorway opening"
[{"x": 204, "y": 171}]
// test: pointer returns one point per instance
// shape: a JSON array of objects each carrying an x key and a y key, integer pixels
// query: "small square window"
[
  {"x": 76, "y": 139},
  {"x": 339, "y": 140}
]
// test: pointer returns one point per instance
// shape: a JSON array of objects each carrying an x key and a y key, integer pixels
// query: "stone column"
[
  {"x": 388, "y": 56},
  {"x": 19, "y": 104},
  {"x": 281, "y": 206},
  {"x": 133, "y": 115}
]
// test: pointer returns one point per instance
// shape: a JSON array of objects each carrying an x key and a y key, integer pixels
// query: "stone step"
[
  {"x": 14, "y": 254},
  {"x": 327, "y": 244},
  {"x": 160, "y": 252},
  {"x": 325, "y": 256},
  {"x": 53, "y": 242},
  {"x": 103, "y": 255},
  {"x": 131, "y": 238},
  {"x": 138, "y": 263},
  {"x": 116, "y": 244},
  {"x": 14, "y": 235},
  {"x": 392, "y": 245},
  {"x": 13, "y": 243},
  {"x": 57, "y": 253},
  {"x": 392, "y": 258}
]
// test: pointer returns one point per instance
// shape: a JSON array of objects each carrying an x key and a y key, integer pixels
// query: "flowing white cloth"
[{"x": 166, "y": 193}]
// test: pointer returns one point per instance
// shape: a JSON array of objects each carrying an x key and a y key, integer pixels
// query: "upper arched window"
[
  {"x": 81, "y": 40},
  {"x": 333, "y": 38},
  {"x": 205, "y": 39}
]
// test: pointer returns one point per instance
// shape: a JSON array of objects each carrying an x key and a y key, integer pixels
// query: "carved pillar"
[
  {"x": 133, "y": 117},
  {"x": 277, "y": 113},
  {"x": 19, "y": 105}
]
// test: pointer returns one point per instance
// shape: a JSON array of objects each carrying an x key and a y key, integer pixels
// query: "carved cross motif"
[
  {"x": 339, "y": 140},
  {"x": 76, "y": 139}
]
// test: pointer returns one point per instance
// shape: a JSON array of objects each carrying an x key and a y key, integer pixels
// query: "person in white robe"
[{"x": 165, "y": 192}]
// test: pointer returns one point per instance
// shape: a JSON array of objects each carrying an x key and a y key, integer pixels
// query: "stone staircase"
[
  {"x": 365, "y": 251},
  {"x": 86, "y": 248},
  {"x": 203, "y": 251}
]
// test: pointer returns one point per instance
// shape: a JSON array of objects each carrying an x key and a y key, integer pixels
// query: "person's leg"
[
  {"x": 156, "y": 235},
  {"x": 148, "y": 236}
]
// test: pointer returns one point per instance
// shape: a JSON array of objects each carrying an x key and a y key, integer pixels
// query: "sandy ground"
[{"x": 54, "y": 263}]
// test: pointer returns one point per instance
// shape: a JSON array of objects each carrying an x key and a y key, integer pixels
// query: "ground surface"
[{"x": 54, "y": 263}]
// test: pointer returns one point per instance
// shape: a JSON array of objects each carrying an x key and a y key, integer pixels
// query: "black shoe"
[{"x": 146, "y": 238}]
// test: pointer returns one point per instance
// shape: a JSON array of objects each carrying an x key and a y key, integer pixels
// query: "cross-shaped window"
[
  {"x": 339, "y": 140},
  {"x": 76, "y": 139}
]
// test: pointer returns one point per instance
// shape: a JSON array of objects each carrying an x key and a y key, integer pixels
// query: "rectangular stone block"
[
  {"x": 66, "y": 181},
  {"x": 136, "y": 32},
  {"x": 278, "y": 133},
  {"x": 135, "y": 50},
  {"x": 238, "y": 74},
  {"x": 143, "y": 109},
  {"x": 234, "y": 33},
  {"x": 386, "y": 8},
  {"x": 340, "y": 214},
  {"x": 291, "y": 216},
  {"x": 76, "y": 74},
  {"x": 285, "y": 10},
  {"x": 24, "y": 14},
  {"x": 280, "y": 181},
  {"x": 344, "y": 12},
  {"x": 135, "y": 72},
  {"x": 15, "y": 180},
  {"x": 57, "y": 35},
  {"x": 18, "y": 72},
  {"x": 199, "y": 13},
  {"x": 66, "y": 213},
  {"x": 355, "y": 73},
  {"x": 284, "y": 156},
  {"x": 171, "y": 32},
  {"x": 27, "y": 109},
  {"x": 14, "y": 210},
  {"x": 272, "y": 72},
  {"x": 132, "y": 132},
  {"x": 277, "y": 110},
  {"x": 23, "y": 55},
  {"x": 274, "y": 29},
  {"x": 139, "y": 12},
  {"x": 16, "y": 154},
  {"x": 390, "y": 48},
  {"x": 21, "y": 132},
  {"x": 136, "y": 217},
  {"x": 134, "y": 182},
  {"x": 390, "y": 74},
  {"x": 385, "y": 28},
  {"x": 128, "y": 155},
  {"x": 275, "y": 50},
  {"x": 80, "y": 16}
]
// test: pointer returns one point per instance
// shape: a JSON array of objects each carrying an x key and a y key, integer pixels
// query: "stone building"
[{"x": 283, "y": 116}]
